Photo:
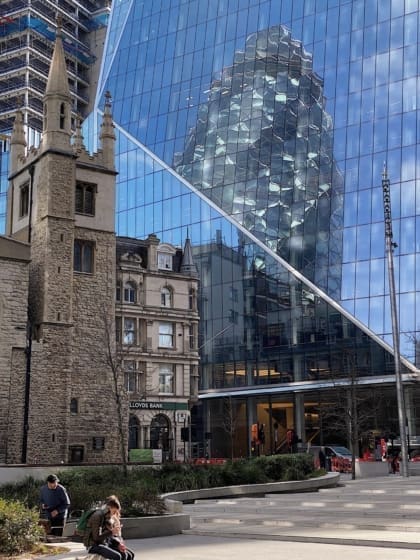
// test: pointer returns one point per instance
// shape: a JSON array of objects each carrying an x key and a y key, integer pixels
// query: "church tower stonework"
[{"x": 61, "y": 202}]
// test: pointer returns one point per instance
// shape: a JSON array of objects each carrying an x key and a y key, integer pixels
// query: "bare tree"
[
  {"x": 230, "y": 421},
  {"x": 114, "y": 357},
  {"x": 118, "y": 354},
  {"x": 414, "y": 339},
  {"x": 350, "y": 409}
]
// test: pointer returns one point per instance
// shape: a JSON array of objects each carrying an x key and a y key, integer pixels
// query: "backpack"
[{"x": 81, "y": 527}]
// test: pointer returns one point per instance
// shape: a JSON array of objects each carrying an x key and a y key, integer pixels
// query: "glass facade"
[
  {"x": 4, "y": 183},
  {"x": 261, "y": 128}
]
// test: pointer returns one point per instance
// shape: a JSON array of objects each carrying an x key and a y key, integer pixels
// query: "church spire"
[
  {"x": 57, "y": 100},
  {"x": 187, "y": 265}
]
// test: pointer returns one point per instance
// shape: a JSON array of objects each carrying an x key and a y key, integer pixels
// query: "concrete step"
[
  {"x": 362, "y": 511},
  {"x": 318, "y": 513},
  {"x": 322, "y": 522},
  {"x": 342, "y": 536},
  {"x": 385, "y": 508}
]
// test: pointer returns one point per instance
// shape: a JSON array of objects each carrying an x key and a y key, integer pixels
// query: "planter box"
[
  {"x": 155, "y": 526},
  {"x": 329, "y": 480},
  {"x": 142, "y": 527}
]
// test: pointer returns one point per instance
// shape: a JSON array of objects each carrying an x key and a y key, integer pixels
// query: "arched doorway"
[
  {"x": 133, "y": 432},
  {"x": 160, "y": 435}
]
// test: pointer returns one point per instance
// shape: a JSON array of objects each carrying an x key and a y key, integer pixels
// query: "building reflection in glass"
[
  {"x": 261, "y": 325},
  {"x": 262, "y": 151}
]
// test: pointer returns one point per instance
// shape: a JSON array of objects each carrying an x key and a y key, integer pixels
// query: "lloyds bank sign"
[{"x": 149, "y": 405}]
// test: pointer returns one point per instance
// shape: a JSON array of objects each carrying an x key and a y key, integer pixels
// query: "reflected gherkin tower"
[{"x": 262, "y": 150}]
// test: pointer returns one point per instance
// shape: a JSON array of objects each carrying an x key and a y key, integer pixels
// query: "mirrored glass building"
[{"x": 259, "y": 130}]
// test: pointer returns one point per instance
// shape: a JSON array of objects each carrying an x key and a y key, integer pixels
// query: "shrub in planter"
[
  {"x": 297, "y": 467},
  {"x": 175, "y": 478},
  {"x": 254, "y": 473},
  {"x": 283, "y": 467},
  {"x": 19, "y": 529},
  {"x": 137, "y": 501},
  {"x": 25, "y": 491}
]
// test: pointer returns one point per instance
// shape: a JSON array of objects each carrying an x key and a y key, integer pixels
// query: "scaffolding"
[{"x": 27, "y": 34}]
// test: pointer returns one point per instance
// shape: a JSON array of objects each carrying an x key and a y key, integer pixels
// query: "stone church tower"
[{"x": 61, "y": 202}]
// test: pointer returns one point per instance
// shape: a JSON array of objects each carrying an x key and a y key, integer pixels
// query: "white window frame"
[
  {"x": 166, "y": 379},
  {"x": 131, "y": 376},
  {"x": 166, "y": 335},
  {"x": 165, "y": 261},
  {"x": 130, "y": 331},
  {"x": 129, "y": 292}
]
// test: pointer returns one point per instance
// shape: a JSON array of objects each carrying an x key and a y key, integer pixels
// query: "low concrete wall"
[
  {"x": 369, "y": 469},
  {"x": 159, "y": 526},
  {"x": 17, "y": 473},
  {"x": 311, "y": 485},
  {"x": 414, "y": 468},
  {"x": 143, "y": 527}
]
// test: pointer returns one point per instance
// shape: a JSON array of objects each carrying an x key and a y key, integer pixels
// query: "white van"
[{"x": 338, "y": 457}]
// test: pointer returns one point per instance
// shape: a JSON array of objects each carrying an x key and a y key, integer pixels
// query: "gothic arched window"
[{"x": 62, "y": 116}]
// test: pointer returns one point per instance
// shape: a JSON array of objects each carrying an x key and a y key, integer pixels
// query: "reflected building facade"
[
  {"x": 262, "y": 151},
  {"x": 260, "y": 131}
]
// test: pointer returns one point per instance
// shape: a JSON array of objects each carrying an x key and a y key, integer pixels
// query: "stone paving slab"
[
  {"x": 197, "y": 547},
  {"x": 376, "y": 539},
  {"x": 376, "y": 523}
]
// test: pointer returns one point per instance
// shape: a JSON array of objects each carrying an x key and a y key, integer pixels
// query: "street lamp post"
[
  {"x": 389, "y": 248},
  {"x": 28, "y": 347}
]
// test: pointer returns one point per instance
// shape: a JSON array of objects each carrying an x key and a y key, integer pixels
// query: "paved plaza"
[{"x": 370, "y": 518}]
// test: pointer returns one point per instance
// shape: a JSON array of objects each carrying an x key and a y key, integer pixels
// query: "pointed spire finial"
[
  {"x": 17, "y": 141},
  {"x": 385, "y": 172},
  {"x": 187, "y": 263},
  {"x": 107, "y": 135},
  {"x": 59, "y": 24},
  {"x": 18, "y": 132},
  {"x": 57, "y": 99},
  {"x": 78, "y": 140}
]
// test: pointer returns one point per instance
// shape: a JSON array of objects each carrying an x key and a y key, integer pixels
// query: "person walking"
[
  {"x": 322, "y": 458},
  {"x": 55, "y": 503}
]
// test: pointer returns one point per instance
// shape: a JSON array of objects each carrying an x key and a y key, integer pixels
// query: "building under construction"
[{"x": 27, "y": 32}]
